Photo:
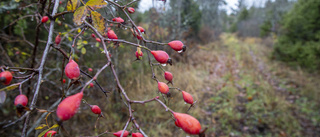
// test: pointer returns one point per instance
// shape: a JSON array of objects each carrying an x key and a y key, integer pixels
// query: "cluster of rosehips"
[{"x": 69, "y": 106}]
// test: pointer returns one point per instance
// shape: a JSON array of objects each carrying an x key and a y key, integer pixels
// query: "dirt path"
[{"x": 250, "y": 95}]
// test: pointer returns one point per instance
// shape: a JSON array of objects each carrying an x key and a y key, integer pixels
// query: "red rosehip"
[
  {"x": 69, "y": 106},
  {"x": 44, "y": 19},
  {"x": 91, "y": 84},
  {"x": 177, "y": 46},
  {"x": 50, "y": 133},
  {"x": 188, "y": 123},
  {"x": 60, "y": 2},
  {"x": 141, "y": 29},
  {"x": 187, "y": 97},
  {"x": 118, "y": 19},
  {"x": 5, "y": 77},
  {"x": 98, "y": 39},
  {"x": 112, "y": 35},
  {"x": 161, "y": 56},
  {"x": 163, "y": 87},
  {"x": 139, "y": 56},
  {"x": 21, "y": 100},
  {"x": 176, "y": 123},
  {"x": 95, "y": 109},
  {"x": 58, "y": 39},
  {"x": 168, "y": 76},
  {"x": 137, "y": 135},
  {"x": 118, "y": 134},
  {"x": 131, "y": 10},
  {"x": 93, "y": 36},
  {"x": 72, "y": 70},
  {"x": 64, "y": 81},
  {"x": 90, "y": 69}
]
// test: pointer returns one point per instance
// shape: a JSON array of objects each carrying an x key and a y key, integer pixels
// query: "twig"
[{"x": 43, "y": 60}]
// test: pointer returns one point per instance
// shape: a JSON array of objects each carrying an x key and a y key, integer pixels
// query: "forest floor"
[
  {"x": 240, "y": 91},
  {"x": 246, "y": 93}
]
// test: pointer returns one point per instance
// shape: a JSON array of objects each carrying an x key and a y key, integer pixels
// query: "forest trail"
[{"x": 247, "y": 93}]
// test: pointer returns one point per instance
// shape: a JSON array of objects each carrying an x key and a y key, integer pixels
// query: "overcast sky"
[{"x": 146, "y": 4}]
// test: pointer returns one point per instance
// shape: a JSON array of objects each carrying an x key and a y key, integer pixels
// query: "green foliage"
[
  {"x": 299, "y": 43},
  {"x": 244, "y": 14},
  {"x": 265, "y": 28},
  {"x": 191, "y": 15}
]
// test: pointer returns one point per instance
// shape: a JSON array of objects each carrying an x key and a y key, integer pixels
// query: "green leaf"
[
  {"x": 80, "y": 15},
  {"x": 11, "y": 87},
  {"x": 98, "y": 22},
  {"x": 97, "y": 4},
  {"x": 97, "y": 44},
  {"x": 40, "y": 127},
  {"x": 79, "y": 46},
  {"x": 45, "y": 131},
  {"x": 72, "y": 5},
  {"x": 25, "y": 54},
  {"x": 83, "y": 50}
]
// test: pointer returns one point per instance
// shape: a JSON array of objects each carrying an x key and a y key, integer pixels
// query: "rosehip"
[
  {"x": 5, "y": 77},
  {"x": 187, "y": 97},
  {"x": 137, "y": 135},
  {"x": 90, "y": 69},
  {"x": 91, "y": 84},
  {"x": 93, "y": 36},
  {"x": 95, "y": 109},
  {"x": 60, "y": 2},
  {"x": 64, "y": 81},
  {"x": 163, "y": 87},
  {"x": 177, "y": 46},
  {"x": 139, "y": 56},
  {"x": 168, "y": 76},
  {"x": 188, "y": 123},
  {"x": 112, "y": 35},
  {"x": 131, "y": 10},
  {"x": 118, "y": 19},
  {"x": 72, "y": 70},
  {"x": 44, "y": 19},
  {"x": 118, "y": 134},
  {"x": 141, "y": 29},
  {"x": 98, "y": 39},
  {"x": 161, "y": 56},
  {"x": 176, "y": 123},
  {"x": 50, "y": 133},
  {"x": 21, "y": 100},
  {"x": 69, "y": 106},
  {"x": 58, "y": 39}
]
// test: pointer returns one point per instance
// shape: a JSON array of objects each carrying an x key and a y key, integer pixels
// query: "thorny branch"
[{"x": 43, "y": 60}]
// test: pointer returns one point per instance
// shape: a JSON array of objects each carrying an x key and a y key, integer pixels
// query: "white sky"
[{"x": 146, "y": 4}]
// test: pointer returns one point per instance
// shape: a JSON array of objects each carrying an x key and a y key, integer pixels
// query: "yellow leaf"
[
  {"x": 80, "y": 15},
  {"x": 85, "y": 42},
  {"x": 83, "y": 50},
  {"x": 40, "y": 127},
  {"x": 11, "y": 87},
  {"x": 72, "y": 5},
  {"x": 96, "y": 4},
  {"x": 98, "y": 22},
  {"x": 45, "y": 131}
]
